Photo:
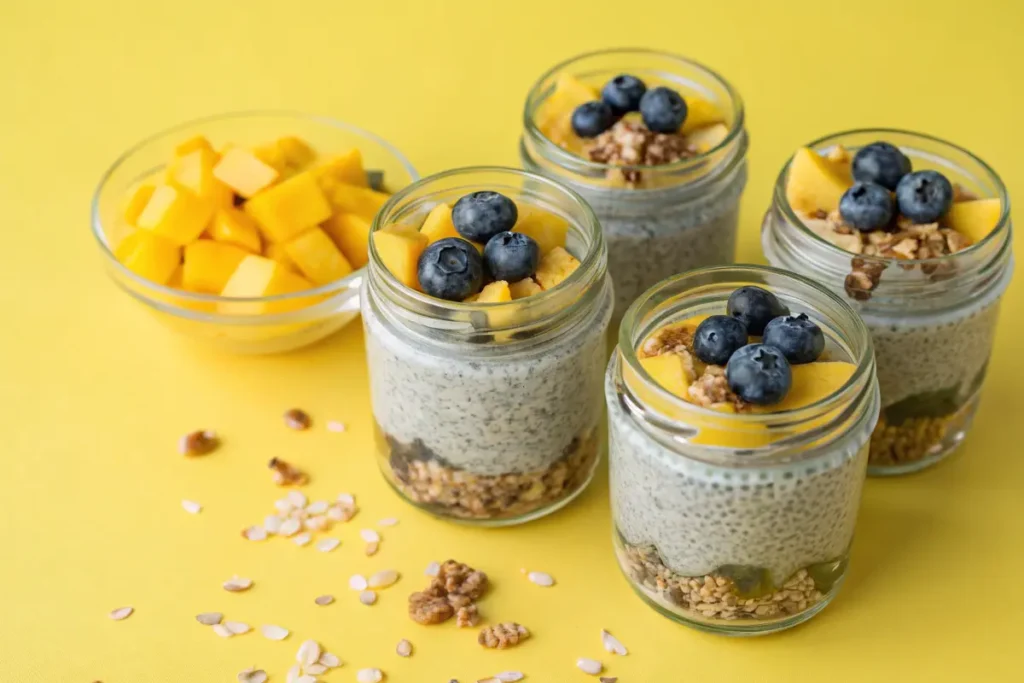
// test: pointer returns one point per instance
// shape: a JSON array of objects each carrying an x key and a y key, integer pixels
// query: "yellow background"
[{"x": 95, "y": 392}]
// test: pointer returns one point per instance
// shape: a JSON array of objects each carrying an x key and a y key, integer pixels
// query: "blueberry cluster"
[
  {"x": 882, "y": 170},
  {"x": 453, "y": 268},
  {"x": 662, "y": 109},
  {"x": 758, "y": 373}
]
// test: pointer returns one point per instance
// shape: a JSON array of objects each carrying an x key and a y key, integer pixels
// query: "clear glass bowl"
[{"x": 312, "y": 314}]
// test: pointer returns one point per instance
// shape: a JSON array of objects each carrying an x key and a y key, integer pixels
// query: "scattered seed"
[
  {"x": 357, "y": 582},
  {"x": 302, "y": 539},
  {"x": 335, "y": 426},
  {"x": 306, "y": 679},
  {"x": 317, "y": 523},
  {"x": 608, "y": 679},
  {"x": 612, "y": 644},
  {"x": 237, "y": 584},
  {"x": 330, "y": 660},
  {"x": 367, "y": 597},
  {"x": 388, "y": 521},
  {"x": 286, "y": 474},
  {"x": 324, "y": 600},
  {"x": 289, "y": 527},
  {"x": 222, "y": 631},
  {"x": 255, "y": 533},
  {"x": 191, "y": 507},
  {"x": 297, "y": 419},
  {"x": 372, "y": 548},
  {"x": 199, "y": 442},
  {"x": 589, "y": 666},
  {"x": 492, "y": 679},
  {"x": 309, "y": 653},
  {"x": 209, "y": 618},
  {"x": 294, "y": 674},
  {"x": 251, "y": 675},
  {"x": 541, "y": 579},
  {"x": 510, "y": 676},
  {"x": 337, "y": 513},
  {"x": 237, "y": 627},
  {"x": 346, "y": 499},
  {"x": 274, "y": 632},
  {"x": 370, "y": 536},
  {"x": 317, "y": 507},
  {"x": 121, "y": 613},
  {"x": 326, "y": 545},
  {"x": 272, "y": 523},
  {"x": 404, "y": 648},
  {"x": 284, "y": 506},
  {"x": 369, "y": 676},
  {"x": 315, "y": 669},
  {"x": 297, "y": 499},
  {"x": 433, "y": 569},
  {"x": 383, "y": 578}
]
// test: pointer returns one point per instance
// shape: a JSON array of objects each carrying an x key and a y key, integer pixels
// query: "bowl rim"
[{"x": 96, "y": 224}]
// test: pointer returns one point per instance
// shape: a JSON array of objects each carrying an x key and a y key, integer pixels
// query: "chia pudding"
[
  {"x": 666, "y": 187},
  {"x": 731, "y": 517},
  {"x": 927, "y": 285},
  {"x": 488, "y": 403}
]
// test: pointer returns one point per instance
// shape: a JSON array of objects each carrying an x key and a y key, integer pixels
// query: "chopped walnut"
[
  {"x": 712, "y": 388},
  {"x": 467, "y": 617},
  {"x": 428, "y": 609},
  {"x": 199, "y": 442},
  {"x": 297, "y": 419},
  {"x": 630, "y": 143},
  {"x": 286, "y": 474},
  {"x": 669, "y": 339},
  {"x": 454, "y": 588},
  {"x": 462, "y": 579},
  {"x": 503, "y": 636}
]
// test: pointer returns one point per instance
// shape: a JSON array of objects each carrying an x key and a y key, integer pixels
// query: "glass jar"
[
  {"x": 683, "y": 215},
  {"x": 489, "y": 413},
  {"x": 737, "y": 523},
  {"x": 932, "y": 320}
]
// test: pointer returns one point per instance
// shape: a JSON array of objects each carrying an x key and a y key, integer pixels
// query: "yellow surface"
[{"x": 94, "y": 392}]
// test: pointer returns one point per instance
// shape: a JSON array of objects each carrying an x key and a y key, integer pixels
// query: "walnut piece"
[
  {"x": 297, "y": 419},
  {"x": 468, "y": 616},
  {"x": 712, "y": 387},
  {"x": 286, "y": 474},
  {"x": 630, "y": 143},
  {"x": 453, "y": 590},
  {"x": 428, "y": 609},
  {"x": 199, "y": 442},
  {"x": 461, "y": 579},
  {"x": 502, "y": 636}
]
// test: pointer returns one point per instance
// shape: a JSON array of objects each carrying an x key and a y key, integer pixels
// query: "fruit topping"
[
  {"x": 866, "y": 206},
  {"x": 755, "y": 308},
  {"x": 717, "y": 338},
  {"x": 623, "y": 94},
  {"x": 554, "y": 267},
  {"x": 451, "y": 269},
  {"x": 479, "y": 216},
  {"x": 511, "y": 256},
  {"x": 924, "y": 196},
  {"x": 759, "y": 374},
  {"x": 494, "y": 293},
  {"x": 289, "y": 208},
  {"x": 799, "y": 339},
  {"x": 256, "y": 276},
  {"x": 663, "y": 110},
  {"x": 399, "y": 248},
  {"x": 815, "y": 183},
  {"x": 590, "y": 119},
  {"x": 880, "y": 163},
  {"x": 975, "y": 218},
  {"x": 547, "y": 229}
]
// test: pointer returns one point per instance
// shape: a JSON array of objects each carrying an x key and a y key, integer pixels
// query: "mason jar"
[
  {"x": 932, "y": 320},
  {"x": 738, "y": 522},
  {"x": 677, "y": 216},
  {"x": 489, "y": 413}
]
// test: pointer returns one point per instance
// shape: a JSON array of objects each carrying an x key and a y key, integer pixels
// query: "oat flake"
[
  {"x": 309, "y": 653},
  {"x": 251, "y": 675},
  {"x": 237, "y": 584},
  {"x": 369, "y": 676},
  {"x": 541, "y": 579},
  {"x": 297, "y": 499},
  {"x": 612, "y": 644},
  {"x": 302, "y": 539},
  {"x": 315, "y": 669},
  {"x": 237, "y": 627},
  {"x": 222, "y": 631},
  {"x": 121, "y": 613},
  {"x": 589, "y": 666},
  {"x": 330, "y": 660},
  {"x": 324, "y": 600},
  {"x": 370, "y": 536},
  {"x": 357, "y": 582},
  {"x": 326, "y": 545},
  {"x": 191, "y": 507},
  {"x": 272, "y": 523},
  {"x": 274, "y": 632},
  {"x": 317, "y": 507},
  {"x": 209, "y": 618},
  {"x": 306, "y": 679},
  {"x": 372, "y": 548},
  {"x": 255, "y": 533},
  {"x": 383, "y": 579},
  {"x": 290, "y": 527},
  {"x": 608, "y": 679},
  {"x": 335, "y": 426},
  {"x": 433, "y": 569},
  {"x": 388, "y": 521},
  {"x": 404, "y": 648},
  {"x": 510, "y": 676},
  {"x": 346, "y": 499},
  {"x": 367, "y": 597}
]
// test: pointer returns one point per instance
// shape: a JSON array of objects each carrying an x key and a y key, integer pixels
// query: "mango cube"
[
  {"x": 813, "y": 382},
  {"x": 554, "y": 116},
  {"x": 494, "y": 293},
  {"x": 277, "y": 252},
  {"x": 351, "y": 234},
  {"x": 137, "y": 202},
  {"x": 546, "y": 229},
  {"x": 231, "y": 226},
  {"x": 317, "y": 257},
  {"x": 191, "y": 145},
  {"x": 438, "y": 224},
  {"x": 176, "y": 214},
  {"x": 194, "y": 171},
  {"x": 815, "y": 183},
  {"x": 256, "y": 276},
  {"x": 699, "y": 113},
  {"x": 344, "y": 169},
  {"x": 400, "y": 249},
  {"x": 149, "y": 255},
  {"x": 669, "y": 372},
  {"x": 975, "y": 219},
  {"x": 289, "y": 208},
  {"x": 209, "y": 265},
  {"x": 288, "y": 155},
  {"x": 707, "y": 138},
  {"x": 244, "y": 172},
  {"x": 361, "y": 201},
  {"x": 524, "y": 288},
  {"x": 554, "y": 267}
]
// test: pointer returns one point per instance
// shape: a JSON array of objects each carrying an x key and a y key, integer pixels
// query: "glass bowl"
[{"x": 305, "y": 317}]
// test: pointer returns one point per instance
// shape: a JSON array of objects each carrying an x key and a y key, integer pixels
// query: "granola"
[
  {"x": 502, "y": 636},
  {"x": 630, "y": 143},
  {"x": 709, "y": 387},
  {"x": 452, "y": 592}
]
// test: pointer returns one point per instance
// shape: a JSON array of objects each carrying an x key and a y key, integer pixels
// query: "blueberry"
[
  {"x": 663, "y": 110},
  {"x": 755, "y": 308},
  {"x": 481, "y": 215},
  {"x": 866, "y": 206},
  {"x": 623, "y": 94},
  {"x": 717, "y": 338},
  {"x": 759, "y": 374},
  {"x": 799, "y": 339},
  {"x": 592, "y": 118},
  {"x": 924, "y": 196},
  {"x": 511, "y": 256},
  {"x": 451, "y": 269},
  {"x": 880, "y": 163}
]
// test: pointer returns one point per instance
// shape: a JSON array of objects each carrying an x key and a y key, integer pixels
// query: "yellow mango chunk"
[
  {"x": 209, "y": 265},
  {"x": 317, "y": 257},
  {"x": 277, "y": 252},
  {"x": 494, "y": 293},
  {"x": 707, "y": 138},
  {"x": 137, "y": 202},
  {"x": 669, "y": 372},
  {"x": 194, "y": 171},
  {"x": 361, "y": 201},
  {"x": 344, "y": 169},
  {"x": 554, "y": 116},
  {"x": 289, "y": 208},
  {"x": 256, "y": 276},
  {"x": 176, "y": 214},
  {"x": 231, "y": 226},
  {"x": 351, "y": 234},
  {"x": 177, "y": 278},
  {"x": 438, "y": 224},
  {"x": 700, "y": 113},
  {"x": 815, "y": 183},
  {"x": 554, "y": 267},
  {"x": 811, "y": 383},
  {"x": 399, "y": 249},
  {"x": 975, "y": 218},
  {"x": 288, "y": 155},
  {"x": 244, "y": 172},
  {"x": 191, "y": 145},
  {"x": 524, "y": 288},
  {"x": 546, "y": 229},
  {"x": 149, "y": 255}
]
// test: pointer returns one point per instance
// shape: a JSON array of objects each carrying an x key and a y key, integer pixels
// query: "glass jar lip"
[
  {"x": 587, "y": 263},
  {"x": 864, "y": 363},
  {"x": 351, "y": 280},
  {"x": 779, "y": 197},
  {"x": 563, "y": 157}
]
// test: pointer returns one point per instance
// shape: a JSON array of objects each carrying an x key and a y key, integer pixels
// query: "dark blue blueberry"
[
  {"x": 866, "y": 206},
  {"x": 717, "y": 338},
  {"x": 755, "y": 308},
  {"x": 451, "y": 269},
  {"x": 924, "y": 196},
  {"x": 592, "y": 118},
  {"x": 759, "y": 374},
  {"x": 799, "y": 339},
  {"x": 623, "y": 94},
  {"x": 511, "y": 256},
  {"x": 880, "y": 163},
  {"x": 481, "y": 215},
  {"x": 663, "y": 110}
]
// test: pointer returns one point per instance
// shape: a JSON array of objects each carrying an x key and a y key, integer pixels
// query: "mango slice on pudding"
[
  {"x": 975, "y": 218},
  {"x": 816, "y": 183}
]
